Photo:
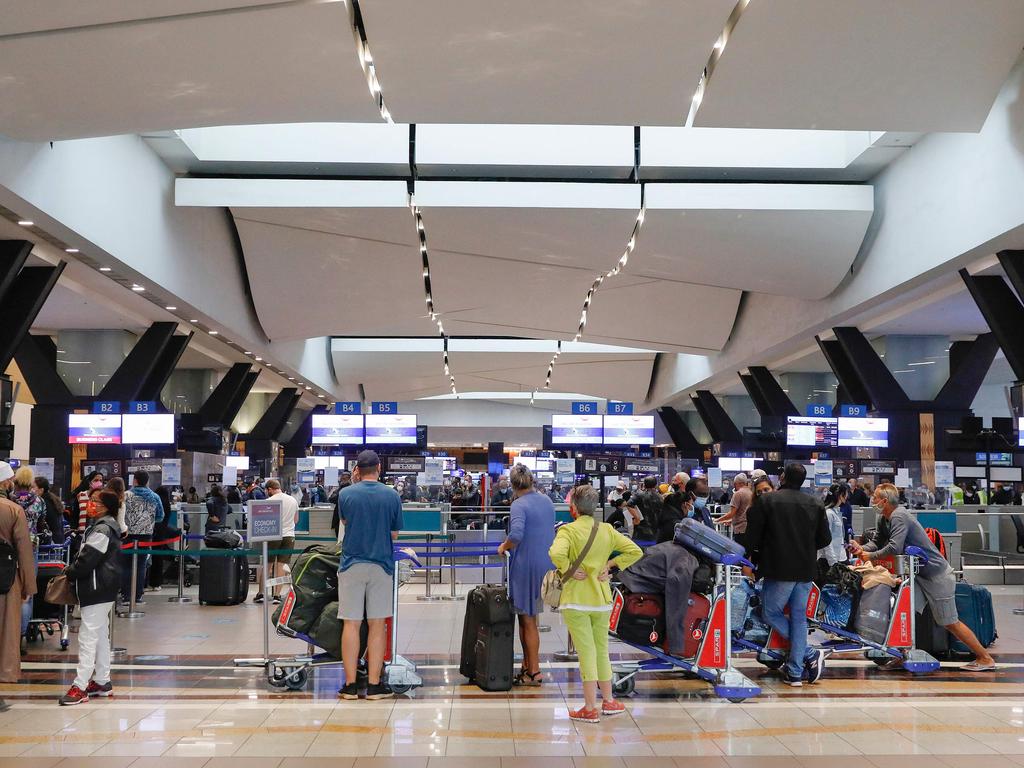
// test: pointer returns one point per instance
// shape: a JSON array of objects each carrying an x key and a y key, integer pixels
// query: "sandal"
[
  {"x": 528, "y": 679},
  {"x": 974, "y": 666}
]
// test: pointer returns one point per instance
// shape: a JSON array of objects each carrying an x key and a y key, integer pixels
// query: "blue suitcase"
[
  {"x": 974, "y": 604},
  {"x": 700, "y": 539}
]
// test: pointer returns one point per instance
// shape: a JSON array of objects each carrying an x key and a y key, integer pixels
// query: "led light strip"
[
  {"x": 619, "y": 266},
  {"x": 366, "y": 59},
  {"x": 716, "y": 54},
  {"x": 431, "y": 311}
]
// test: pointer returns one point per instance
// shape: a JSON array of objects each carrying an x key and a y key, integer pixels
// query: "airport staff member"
[
  {"x": 936, "y": 579},
  {"x": 372, "y": 515}
]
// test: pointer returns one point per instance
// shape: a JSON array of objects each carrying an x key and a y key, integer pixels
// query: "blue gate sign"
[
  {"x": 106, "y": 406},
  {"x": 619, "y": 408},
  {"x": 383, "y": 407},
  {"x": 142, "y": 406},
  {"x": 348, "y": 408},
  {"x": 853, "y": 411},
  {"x": 818, "y": 410},
  {"x": 583, "y": 407}
]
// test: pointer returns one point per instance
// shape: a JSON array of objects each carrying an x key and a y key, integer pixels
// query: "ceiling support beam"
[
  {"x": 26, "y": 296},
  {"x": 721, "y": 427},
  {"x": 1012, "y": 263},
  {"x": 235, "y": 404},
  {"x": 681, "y": 435},
  {"x": 13, "y": 255},
  {"x": 212, "y": 412},
  {"x": 165, "y": 365},
  {"x": 1002, "y": 311},
  {"x": 37, "y": 359},
  {"x": 881, "y": 386},
  {"x": 969, "y": 363},
  {"x": 300, "y": 439},
  {"x": 851, "y": 387},
  {"x": 127, "y": 381},
  {"x": 272, "y": 422}
]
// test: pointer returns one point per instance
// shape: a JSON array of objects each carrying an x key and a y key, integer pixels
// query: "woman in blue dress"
[{"x": 530, "y": 534}]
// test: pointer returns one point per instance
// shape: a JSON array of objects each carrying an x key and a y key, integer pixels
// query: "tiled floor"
[{"x": 181, "y": 703}]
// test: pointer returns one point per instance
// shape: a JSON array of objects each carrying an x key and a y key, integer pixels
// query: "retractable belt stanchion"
[
  {"x": 267, "y": 587},
  {"x": 116, "y": 652},
  {"x": 131, "y": 613},
  {"x": 483, "y": 547},
  {"x": 427, "y": 596},
  {"x": 449, "y": 555},
  {"x": 181, "y": 597},
  {"x": 569, "y": 654}
]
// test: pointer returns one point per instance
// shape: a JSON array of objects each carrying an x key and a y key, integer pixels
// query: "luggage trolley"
[
  {"x": 400, "y": 673},
  {"x": 713, "y": 660},
  {"x": 899, "y": 637},
  {"x": 51, "y": 562}
]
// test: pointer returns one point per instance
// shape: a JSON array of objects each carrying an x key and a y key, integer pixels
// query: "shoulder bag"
[
  {"x": 59, "y": 591},
  {"x": 551, "y": 587}
]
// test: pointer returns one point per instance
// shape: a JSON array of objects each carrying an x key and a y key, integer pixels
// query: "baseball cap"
[
  {"x": 758, "y": 473},
  {"x": 6, "y": 472},
  {"x": 367, "y": 459}
]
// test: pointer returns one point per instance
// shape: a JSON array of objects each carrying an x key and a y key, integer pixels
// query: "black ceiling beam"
[
  {"x": 881, "y": 386},
  {"x": 272, "y": 421},
  {"x": 772, "y": 392},
  {"x": 212, "y": 411},
  {"x": 37, "y": 359},
  {"x": 1012, "y": 263},
  {"x": 967, "y": 372},
  {"x": 681, "y": 435},
  {"x": 760, "y": 401},
  {"x": 235, "y": 403},
  {"x": 1002, "y": 311},
  {"x": 26, "y": 296},
  {"x": 721, "y": 427},
  {"x": 852, "y": 387},
  {"x": 127, "y": 381},
  {"x": 300, "y": 438},
  {"x": 13, "y": 255},
  {"x": 165, "y": 365}
]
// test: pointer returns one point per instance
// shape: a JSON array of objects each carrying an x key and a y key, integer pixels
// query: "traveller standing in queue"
[
  {"x": 289, "y": 516},
  {"x": 93, "y": 481},
  {"x": 20, "y": 584},
  {"x": 96, "y": 575},
  {"x": 586, "y": 596},
  {"x": 372, "y": 515},
  {"x": 742, "y": 498},
  {"x": 936, "y": 578},
  {"x": 530, "y": 534},
  {"x": 142, "y": 511},
  {"x": 786, "y": 529}
]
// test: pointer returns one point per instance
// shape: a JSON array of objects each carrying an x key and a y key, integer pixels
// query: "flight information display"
[
  {"x": 577, "y": 429},
  {"x": 390, "y": 429},
  {"x": 863, "y": 433},
  {"x": 332, "y": 429},
  {"x": 810, "y": 432},
  {"x": 147, "y": 428},
  {"x": 628, "y": 430},
  {"x": 94, "y": 429}
]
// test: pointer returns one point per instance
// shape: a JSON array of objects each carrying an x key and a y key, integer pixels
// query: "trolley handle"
[
  {"x": 402, "y": 554},
  {"x": 734, "y": 559},
  {"x": 917, "y": 552}
]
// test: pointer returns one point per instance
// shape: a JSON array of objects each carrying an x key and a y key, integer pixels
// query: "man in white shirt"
[{"x": 289, "y": 516}]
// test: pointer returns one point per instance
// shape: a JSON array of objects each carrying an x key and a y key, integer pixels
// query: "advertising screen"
[
  {"x": 576, "y": 429},
  {"x": 629, "y": 430},
  {"x": 323, "y": 462},
  {"x": 147, "y": 428},
  {"x": 238, "y": 462},
  {"x": 863, "y": 433},
  {"x": 331, "y": 429},
  {"x": 390, "y": 429},
  {"x": 809, "y": 432},
  {"x": 94, "y": 429},
  {"x": 733, "y": 464}
]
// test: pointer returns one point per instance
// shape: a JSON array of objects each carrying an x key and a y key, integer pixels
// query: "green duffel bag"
[
  {"x": 314, "y": 585},
  {"x": 326, "y": 632}
]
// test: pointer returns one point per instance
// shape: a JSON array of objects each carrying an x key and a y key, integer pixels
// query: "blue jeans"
[{"x": 775, "y": 596}]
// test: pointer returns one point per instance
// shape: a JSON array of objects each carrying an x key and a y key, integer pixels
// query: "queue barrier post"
[
  {"x": 569, "y": 654},
  {"x": 116, "y": 651},
  {"x": 131, "y": 613},
  {"x": 181, "y": 597},
  {"x": 427, "y": 596}
]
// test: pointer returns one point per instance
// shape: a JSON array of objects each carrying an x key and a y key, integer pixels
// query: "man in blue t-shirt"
[{"x": 372, "y": 514}]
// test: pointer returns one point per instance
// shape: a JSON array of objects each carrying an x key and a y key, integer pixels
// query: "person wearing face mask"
[
  {"x": 93, "y": 481},
  {"x": 502, "y": 494},
  {"x": 786, "y": 529}
]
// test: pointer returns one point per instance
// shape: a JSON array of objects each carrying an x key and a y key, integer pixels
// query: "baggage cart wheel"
[
  {"x": 880, "y": 659},
  {"x": 400, "y": 689},
  {"x": 736, "y": 699},
  {"x": 275, "y": 676},
  {"x": 296, "y": 681},
  {"x": 64, "y": 645},
  {"x": 624, "y": 685}
]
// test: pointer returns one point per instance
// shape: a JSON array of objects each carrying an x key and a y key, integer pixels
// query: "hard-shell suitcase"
[
  {"x": 641, "y": 619},
  {"x": 873, "y": 613},
  {"x": 223, "y": 580},
  {"x": 974, "y": 605},
  {"x": 929, "y": 636},
  {"x": 493, "y": 656},
  {"x": 698, "y": 538},
  {"x": 695, "y": 624},
  {"x": 486, "y": 605}
]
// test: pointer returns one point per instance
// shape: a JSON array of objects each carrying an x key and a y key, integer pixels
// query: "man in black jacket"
[{"x": 786, "y": 529}]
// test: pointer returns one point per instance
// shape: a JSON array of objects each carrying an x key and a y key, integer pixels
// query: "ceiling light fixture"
[
  {"x": 104, "y": 269},
  {"x": 26, "y": 223},
  {"x": 213, "y": 333},
  {"x": 138, "y": 288},
  {"x": 70, "y": 250},
  {"x": 431, "y": 309},
  {"x": 259, "y": 359},
  {"x": 926, "y": 362},
  {"x": 308, "y": 388},
  {"x": 193, "y": 321},
  {"x": 716, "y": 53},
  {"x": 170, "y": 309},
  {"x": 366, "y": 60}
]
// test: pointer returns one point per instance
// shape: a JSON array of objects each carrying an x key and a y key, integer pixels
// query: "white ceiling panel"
[
  {"x": 273, "y": 63},
  {"x": 915, "y": 65},
  {"x": 788, "y": 239},
  {"x": 334, "y": 271},
  {"x": 586, "y": 63}
]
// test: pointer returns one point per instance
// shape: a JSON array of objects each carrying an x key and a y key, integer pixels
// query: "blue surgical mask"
[{"x": 700, "y": 502}]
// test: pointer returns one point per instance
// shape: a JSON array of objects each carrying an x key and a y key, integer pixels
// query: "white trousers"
[{"x": 94, "y": 645}]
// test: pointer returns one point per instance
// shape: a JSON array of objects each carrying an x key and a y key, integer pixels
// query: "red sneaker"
[
  {"x": 613, "y": 707},
  {"x": 75, "y": 695},
  {"x": 95, "y": 689},
  {"x": 585, "y": 715}
]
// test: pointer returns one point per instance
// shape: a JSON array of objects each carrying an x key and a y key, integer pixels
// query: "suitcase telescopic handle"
[
  {"x": 734, "y": 559},
  {"x": 913, "y": 551}
]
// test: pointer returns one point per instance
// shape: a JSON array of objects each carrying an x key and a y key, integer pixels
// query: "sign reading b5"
[{"x": 383, "y": 407}]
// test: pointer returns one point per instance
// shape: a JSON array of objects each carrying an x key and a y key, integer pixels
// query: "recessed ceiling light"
[
  {"x": 248, "y": 353},
  {"x": 291, "y": 378},
  {"x": 308, "y": 388},
  {"x": 213, "y": 333},
  {"x": 320, "y": 396},
  {"x": 193, "y": 321},
  {"x": 70, "y": 250},
  {"x": 138, "y": 288},
  {"x": 104, "y": 269},
  {"x": 259, "y": 359},
  {"x": 171, "y": 309},
  {"x": 26, "y": 223}
]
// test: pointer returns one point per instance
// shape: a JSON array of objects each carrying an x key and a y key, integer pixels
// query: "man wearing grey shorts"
[
  {"x": 372, "y": 514},
  {"x": 936, "y": 579}
]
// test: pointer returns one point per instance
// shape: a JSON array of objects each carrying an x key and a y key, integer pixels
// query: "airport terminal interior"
[{"x": 743, "y": 280}]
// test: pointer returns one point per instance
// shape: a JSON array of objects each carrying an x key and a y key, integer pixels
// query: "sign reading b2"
[
  {"x": 383, "y": 407},
  {"x": 584, "y": 407}
]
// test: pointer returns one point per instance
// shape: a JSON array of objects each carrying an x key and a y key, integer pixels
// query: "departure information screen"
[
  {"x": 628, "y": 430},
  {"x": 812, "y": 432},
  {"x": 870, "y": 433},
  {"x": 332, "y": 429},
  {"x": 577, "y": 429}
]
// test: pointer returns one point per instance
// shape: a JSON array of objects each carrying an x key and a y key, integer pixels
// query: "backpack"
[
  {"x": 936, "y": 538},
  {"x": 8, "y": 566}
]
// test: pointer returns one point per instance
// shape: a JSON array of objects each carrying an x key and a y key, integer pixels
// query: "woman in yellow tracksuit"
[{"x": 586, "y": 597}]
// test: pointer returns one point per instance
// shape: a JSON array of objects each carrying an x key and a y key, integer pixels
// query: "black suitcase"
[
  {"x": 493, "y": 656},
  {"x": 486, "y": 605},
  {"x": 929, "y": 636},
  {"x": 223, "y": 580}
]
